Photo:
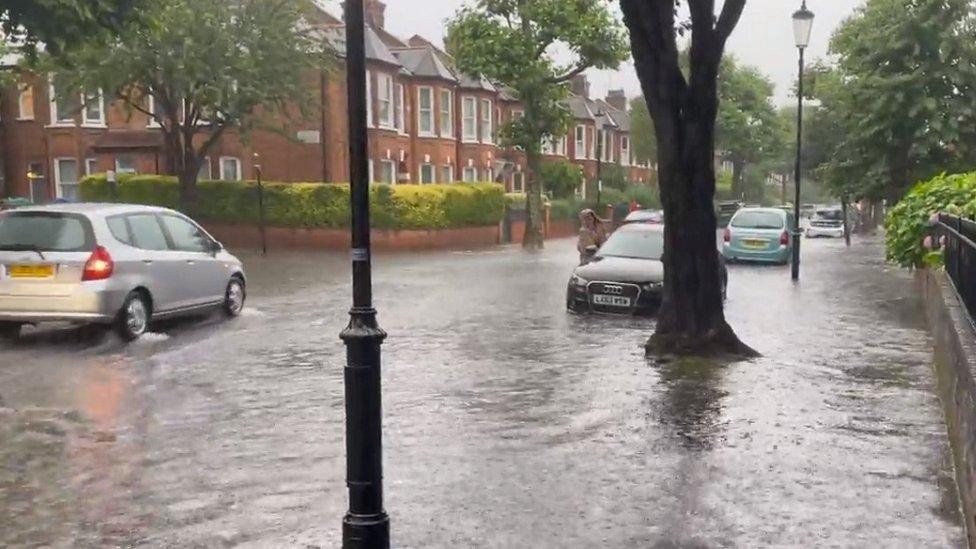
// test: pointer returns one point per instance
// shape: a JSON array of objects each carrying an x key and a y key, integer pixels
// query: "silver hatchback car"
[{"x": 111, "y": 264}]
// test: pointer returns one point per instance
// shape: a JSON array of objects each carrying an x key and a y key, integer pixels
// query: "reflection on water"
[{"x": 508, "y": 423}]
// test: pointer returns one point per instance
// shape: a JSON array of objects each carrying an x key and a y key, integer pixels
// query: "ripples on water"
[{"x": 508, "y": 423}]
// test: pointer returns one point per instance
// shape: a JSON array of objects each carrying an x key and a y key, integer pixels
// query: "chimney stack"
[
  {"x": 375, "y": 14},
  {"x": 617, "y": 99},
  {"x": 581, "y": 86}
]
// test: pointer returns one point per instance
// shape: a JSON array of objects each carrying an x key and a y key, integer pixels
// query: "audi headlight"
[
  {"x": 652, "y": 286},
  {"x": 578, "y": 281}
]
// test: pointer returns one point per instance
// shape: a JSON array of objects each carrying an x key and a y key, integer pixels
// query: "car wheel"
[
  {"x": 134, "y": 317},
  {"x": 9, "y": 331},
  {"x": 234, "y": 297}
]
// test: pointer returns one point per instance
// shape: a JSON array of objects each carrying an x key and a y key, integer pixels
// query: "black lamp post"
[
  {"x": 802, "y": 25},
  {"x": 599, "y": 158},
  {"x": 259, "y": 173},
  {"x": 366, "y": 524}
]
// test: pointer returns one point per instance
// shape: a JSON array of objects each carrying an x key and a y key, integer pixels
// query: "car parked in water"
[
  {"x": 828, "y": 222},
  {"x": 759, "y": 234},
  {"x": 111, "y": 264},
  {"x": 626, "y": 275}
]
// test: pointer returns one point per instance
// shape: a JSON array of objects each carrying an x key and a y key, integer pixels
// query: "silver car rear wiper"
[{"x": 23, "y": 248}]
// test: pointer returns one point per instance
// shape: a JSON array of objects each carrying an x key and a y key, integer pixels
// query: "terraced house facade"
[{"x": 428, "y": 123}]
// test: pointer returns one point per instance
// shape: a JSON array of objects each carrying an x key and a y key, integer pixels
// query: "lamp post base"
[{"x": 366, "y": 531}]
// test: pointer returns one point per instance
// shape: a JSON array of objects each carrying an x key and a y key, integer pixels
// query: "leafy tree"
[
  {"x": 511, "y": 41},
  {"x": 207, "y": 66},
  {"x": 747, "y": 130},
  {"x": 903, "y": 94},
  {"x": 561, "y": 178},
  {"x": 642, "y": 136},
  {"x": 60, "y": 24},
  {"x": 684, "y": 109}
]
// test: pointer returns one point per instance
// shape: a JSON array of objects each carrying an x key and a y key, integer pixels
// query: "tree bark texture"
[
  {"x": 692, "y": 318},
  {"x": 534, "y": 238},
  {"x": 738, "y": 172}
]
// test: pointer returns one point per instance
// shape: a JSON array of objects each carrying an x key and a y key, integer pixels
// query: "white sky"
[{"x": 764, "y": 37}]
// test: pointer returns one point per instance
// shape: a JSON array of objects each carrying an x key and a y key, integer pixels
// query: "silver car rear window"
[{"x": 45, "y": 231}]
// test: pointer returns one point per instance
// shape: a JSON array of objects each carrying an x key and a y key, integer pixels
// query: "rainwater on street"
[{"x": 508, "y": 422}]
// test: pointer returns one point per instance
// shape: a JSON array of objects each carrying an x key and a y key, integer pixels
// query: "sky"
[{"x": 763, "y": 38}]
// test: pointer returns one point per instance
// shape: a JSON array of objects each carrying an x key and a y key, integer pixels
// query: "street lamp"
[
  {"x": 366, "y": 524},
  {"x": 259, "y": 172},
  {"x": 802, "y": 25}
]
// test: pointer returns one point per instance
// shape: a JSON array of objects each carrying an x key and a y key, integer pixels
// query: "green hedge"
[
  {"x": 908, "y": 221},
  {"x": 313, "y": 204}
]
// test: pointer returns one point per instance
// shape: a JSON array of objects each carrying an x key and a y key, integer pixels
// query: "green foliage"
[
  {"x": 614, "y": 177},
  {"x": 561, "y": 178},
  {"x": 208, "y": 65},
  {"x": 314, "y": 204},
  {"x": 907, "y": 222},
  {"x": 515, "y": 201},
  {"x": 564, "y": 208},
  {"x": 642, "y": 134},
  {"x": 645, "y": 195},
  {"x": 63, "y": 24},
  {"x": 900, "y": 96}
]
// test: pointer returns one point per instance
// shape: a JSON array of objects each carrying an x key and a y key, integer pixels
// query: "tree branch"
[
  {"x": 569, "y": 75},
  {"x": 731, "y": 12}
]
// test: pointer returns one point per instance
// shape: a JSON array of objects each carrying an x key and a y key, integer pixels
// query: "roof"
[
  {"x": 376, "y": 49},
  {"x": 128, "y": 140},
  {"x": 581, "y": 107},
  {"x": 620, "y": 118},
  {"x": 424, "y": 61},
  {"x": 477, "y": 83}
]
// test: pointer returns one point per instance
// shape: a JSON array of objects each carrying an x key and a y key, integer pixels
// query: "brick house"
[{"x": 427, "y": 124}]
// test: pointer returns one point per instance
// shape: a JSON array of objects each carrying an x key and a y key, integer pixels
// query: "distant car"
[
  {"x": 759, "y": 234},
  {"x": 725, "y": 211},
  {"x": 112, "y": 265},
  {"x": 827, "y": 222},
  {"x": 626, "y": 276},
  {"x": 645, "y": 216},
  {"x": 807, "y": 210}
]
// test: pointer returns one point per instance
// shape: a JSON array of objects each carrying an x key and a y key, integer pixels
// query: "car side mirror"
[{"x": 216, "y": 246}]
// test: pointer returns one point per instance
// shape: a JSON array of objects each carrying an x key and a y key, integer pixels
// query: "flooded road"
[{"x": 508, "y": 422}]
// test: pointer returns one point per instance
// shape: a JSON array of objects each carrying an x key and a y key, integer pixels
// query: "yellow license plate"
[
  {"x": 754, "y": 243},
  {"x": 31, "y": 271}
]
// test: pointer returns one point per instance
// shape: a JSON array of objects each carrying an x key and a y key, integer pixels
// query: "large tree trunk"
[
  {"x": 691, "y": 320},
  {"x": 533, "y": 239},
  {"x": 738, "y": 171}
]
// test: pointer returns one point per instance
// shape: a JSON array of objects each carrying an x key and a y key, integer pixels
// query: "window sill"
[
  {"x": 24, "y": 119},
  {"x": 62, "y": 125},
  {"x": 95, "y": 126},
  {"x": 470, "y": 141},
  {"x": 427, "y": 135}
]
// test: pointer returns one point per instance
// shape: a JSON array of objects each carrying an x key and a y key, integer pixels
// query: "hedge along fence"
[
  {"x": 313, "y": 204},
  {"x": 908, "y": 221}
]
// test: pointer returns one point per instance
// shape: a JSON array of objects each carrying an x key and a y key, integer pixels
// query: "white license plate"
[{"x": 612, "y": 300}]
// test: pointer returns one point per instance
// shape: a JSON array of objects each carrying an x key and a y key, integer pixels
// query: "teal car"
[{"x": 763, "y": 235}]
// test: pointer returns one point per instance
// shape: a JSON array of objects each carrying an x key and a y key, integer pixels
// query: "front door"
[
  {"x": 205, "y": 274},
  {"x": 163, "y": 267}
]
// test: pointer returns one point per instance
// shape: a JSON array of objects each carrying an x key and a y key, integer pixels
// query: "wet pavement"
[{"x": 508, "y": 422}]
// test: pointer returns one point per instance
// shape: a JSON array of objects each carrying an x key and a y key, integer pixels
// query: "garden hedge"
[
  {"x": 313, "y": 204},
  {"x": 908, "y": 221}
]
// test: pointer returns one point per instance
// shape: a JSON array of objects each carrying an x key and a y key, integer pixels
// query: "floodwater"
[{"x": 508, "y": 422}]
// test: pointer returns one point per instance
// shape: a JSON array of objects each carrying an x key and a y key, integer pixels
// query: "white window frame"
[
  {"x": 446, "y": 110},
  {"x": 472, "y": 117},
  {"x": 561, "y": 146},
  {"x": 547, "y": 146},
  {"x": 625, "y": 150},
  {"x": 489, "y": 175},
  {"x": 372, "y": 174},
  {"x": 90, "y": 166},
  {"x": 369, "y": 98},
  {"x": 98, "y": 121},
  {"x": 25, "y": 91},
  {"x": 520, "y": 178},
  {"x": 206, "y": 162},
  {"x": 447, "y": 174},
  {"x": 393, "y": 171},
  {"x": 420, "y": 173},
  {"x": 384, "y": 96},
  {"x": 473, "y": 170},
  {"x": 401, "y": 124},
  {"x": 57, "y": 175},
  {"x": 223, "y": 176},
  {"x": 55, "y": 121},
  {"x": 579, "y": 152},
  {"x": 427, "y": 113},
  {"x": 486, "y": 122},
  {"x": 119, "y": 171}
]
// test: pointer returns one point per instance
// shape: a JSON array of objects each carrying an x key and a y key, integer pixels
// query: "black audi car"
[{"x": 626, "y": 276}]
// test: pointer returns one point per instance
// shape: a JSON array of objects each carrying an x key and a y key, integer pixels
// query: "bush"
[
  {"x": 564, "y": 208},
  {"x": 313, "y": 204},
  {"x": 515, "y": 201},
  {"x": 645, "y": 195},
  {"x": 907, "y": 223},
  {"x": 561, "y": 178}
]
